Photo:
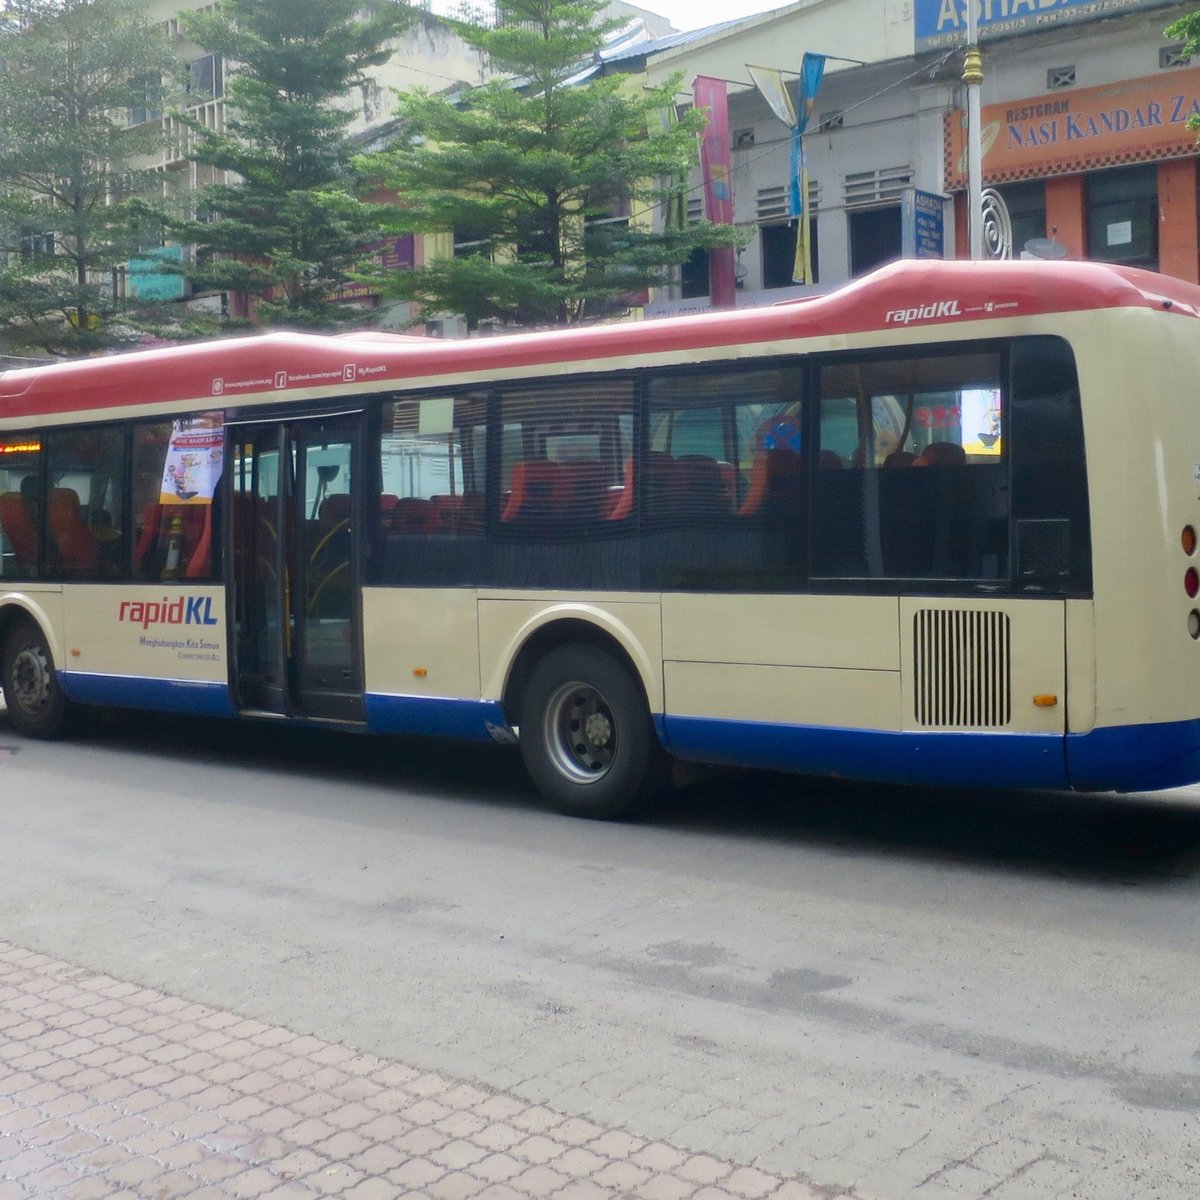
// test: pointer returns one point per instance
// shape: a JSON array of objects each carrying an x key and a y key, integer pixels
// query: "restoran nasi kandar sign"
[{"x": 1138, "y": 120}]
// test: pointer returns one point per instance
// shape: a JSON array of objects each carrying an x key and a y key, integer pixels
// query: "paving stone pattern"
[{"x": 110, "y": 1091}]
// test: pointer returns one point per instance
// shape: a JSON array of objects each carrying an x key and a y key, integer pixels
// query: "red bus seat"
[
  {"x": 76, "y": 544},
  {"x": 587, "y": 496},
  {"x": 697, "y": 486},
  {"x": 460, "y": 513},
  {"x": 195, "y": 540},
  {"x": 938, "y": 454},
  {"x": 776, "y": 481},
  {"x": 334, "y": 509},
  {"x": 17, "y": 524},
  {"x": 539, "y": 490},
  {"x": 411, "y": 514}
]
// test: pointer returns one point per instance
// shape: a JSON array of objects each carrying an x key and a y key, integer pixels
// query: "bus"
[{"x": 937, "y": 527}]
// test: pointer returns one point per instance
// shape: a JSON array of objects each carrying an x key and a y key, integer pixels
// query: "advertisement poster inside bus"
[{"x": 193, "y": 463}]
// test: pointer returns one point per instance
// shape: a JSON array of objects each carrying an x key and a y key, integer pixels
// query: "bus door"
[{"x": 295, "y": 567}]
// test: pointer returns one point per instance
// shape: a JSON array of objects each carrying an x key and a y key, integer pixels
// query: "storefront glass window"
[{"x": 1122, "y": 216}]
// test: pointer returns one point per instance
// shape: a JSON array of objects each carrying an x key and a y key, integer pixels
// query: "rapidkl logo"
[
  {"x": 186, "y": 610},
  {"x": 924, "y": 312}
]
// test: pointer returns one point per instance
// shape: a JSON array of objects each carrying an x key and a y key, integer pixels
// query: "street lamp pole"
[{"x": 972, "y": 76}]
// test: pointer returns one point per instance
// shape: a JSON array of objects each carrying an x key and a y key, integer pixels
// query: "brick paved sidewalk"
[{"x": 109, "y": 1091}]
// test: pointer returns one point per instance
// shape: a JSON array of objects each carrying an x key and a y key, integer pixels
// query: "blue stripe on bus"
[
  {"x": 167, "y": 695},
  {"x": 1124, "y": 758},
  {"x": 938, "y": 759},
  {"x": 435, "y": 715}
]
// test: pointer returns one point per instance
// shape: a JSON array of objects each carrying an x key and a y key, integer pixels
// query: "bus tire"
[
  {"x": 36, "y": 705},
  {"x": 586, "y": 735}
]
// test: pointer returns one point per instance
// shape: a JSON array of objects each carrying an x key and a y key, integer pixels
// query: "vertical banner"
[
  {"x": 812, "y": 70},
  {"x": 675, "y": 214},
  {"x": 710, "y": 94},
  {"x": 773, "y": 90}
]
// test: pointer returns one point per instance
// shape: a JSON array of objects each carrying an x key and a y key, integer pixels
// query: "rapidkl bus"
[{"x": 936, "y": 527}]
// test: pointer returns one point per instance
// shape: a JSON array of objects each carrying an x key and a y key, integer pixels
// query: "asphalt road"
[{"x": 900, "y": 993}]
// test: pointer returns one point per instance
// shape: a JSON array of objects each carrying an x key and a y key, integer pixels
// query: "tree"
[
  {"x": 72, "y": 72},
  {"x": 1187, "y": 30},
  {"x": 548, "y": 177},
  {"x": 289, "y": 229}
]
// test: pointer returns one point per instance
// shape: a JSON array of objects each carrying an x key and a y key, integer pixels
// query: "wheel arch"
[
  {"x": 15, "y": 608},
  {"x": 557, "y": 628}
]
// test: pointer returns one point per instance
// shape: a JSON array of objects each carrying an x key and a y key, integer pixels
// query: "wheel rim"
[
  {"x": 31, "y": 680},
  {"x": 580, "y": 733}
]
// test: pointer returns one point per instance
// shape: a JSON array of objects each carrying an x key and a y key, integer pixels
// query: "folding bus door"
[{"x": 295, "y": 568}]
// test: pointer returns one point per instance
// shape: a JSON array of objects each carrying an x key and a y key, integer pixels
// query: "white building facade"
[{"x": 1084, "y": 135}]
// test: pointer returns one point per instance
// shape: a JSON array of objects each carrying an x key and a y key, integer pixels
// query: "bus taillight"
[
  {"x": 1188, "y": 540},
  {"x": 1191, "y": 581}
]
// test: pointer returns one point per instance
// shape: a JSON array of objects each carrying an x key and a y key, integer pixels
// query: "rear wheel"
[
  {"x": 586, "y": 735},
  {"x": 36, "y": 705}
]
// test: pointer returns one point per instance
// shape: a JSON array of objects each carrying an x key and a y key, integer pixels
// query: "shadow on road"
[
  {"x": 1143, "y": 839},
  {"x": 1128, "y": 839}
]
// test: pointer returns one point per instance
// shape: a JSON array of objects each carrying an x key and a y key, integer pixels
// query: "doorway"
[{"x": 294, "y": 507}]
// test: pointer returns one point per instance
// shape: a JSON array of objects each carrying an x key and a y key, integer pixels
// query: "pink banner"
[{"x": 710, "y": 94}]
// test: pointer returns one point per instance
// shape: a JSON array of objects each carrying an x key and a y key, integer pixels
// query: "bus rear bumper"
[{"x": 1135, "y": 758}]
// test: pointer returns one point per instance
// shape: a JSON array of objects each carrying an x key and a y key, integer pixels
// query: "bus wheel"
[
  {"x": 36, "y": 705},
  {"x": 586, "y": 736}
]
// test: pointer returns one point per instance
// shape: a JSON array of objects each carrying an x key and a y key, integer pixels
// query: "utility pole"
[{"x": 972, "y": 76}]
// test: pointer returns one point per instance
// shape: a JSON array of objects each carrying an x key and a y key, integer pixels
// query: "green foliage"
[
  {"x": 287, "y": 228},
  {"x": 1187, "y": 30},
  {"x": 69, "y": 165},
  {"x": 532, "y": 167}
]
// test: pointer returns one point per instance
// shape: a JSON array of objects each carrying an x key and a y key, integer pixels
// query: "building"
[
  {"x": 1084, "y": 111},
  {"x": 1084, "y": 126},
  {"x": 428, "y": 53}
]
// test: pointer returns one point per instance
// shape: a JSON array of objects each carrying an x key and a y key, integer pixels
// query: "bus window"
[
  {"x": 724, "y": 492},
  {"x": 563, "y": 458},
  {"x": 85, "y": 503},
  {"x": 432, "y": 468},
  {"x": 562, "y": 488},
  {"x": 20, "y": 501},
  {"x": 1051, "y": 518},
  {"x": 912, "y": 480}
]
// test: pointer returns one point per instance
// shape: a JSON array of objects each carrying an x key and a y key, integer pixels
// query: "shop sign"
[
  {"x": 144, "y": 280},
  {"x": 923, "y": 227},
  {"x": 394, "y": 254},
  {"x": 943, "y": 23},
  {"x": 1137, "y": 120}
]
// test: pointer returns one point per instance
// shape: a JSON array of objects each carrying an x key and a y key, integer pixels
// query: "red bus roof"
[{"x": 905, "y": 294}]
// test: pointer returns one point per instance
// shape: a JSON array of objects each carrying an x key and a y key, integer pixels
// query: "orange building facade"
[{"x": 1111, "y": 170}]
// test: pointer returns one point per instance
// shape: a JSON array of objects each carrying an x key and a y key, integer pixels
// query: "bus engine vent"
[{"x": 961, "y": 668}]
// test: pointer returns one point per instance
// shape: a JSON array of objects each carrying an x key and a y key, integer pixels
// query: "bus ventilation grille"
[{"x": 962, "y": 677}]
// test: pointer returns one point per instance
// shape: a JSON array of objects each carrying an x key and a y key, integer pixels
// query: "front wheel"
[
  {"x": 36, "y": 705},
  {"x": 586, "y": 735}
]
